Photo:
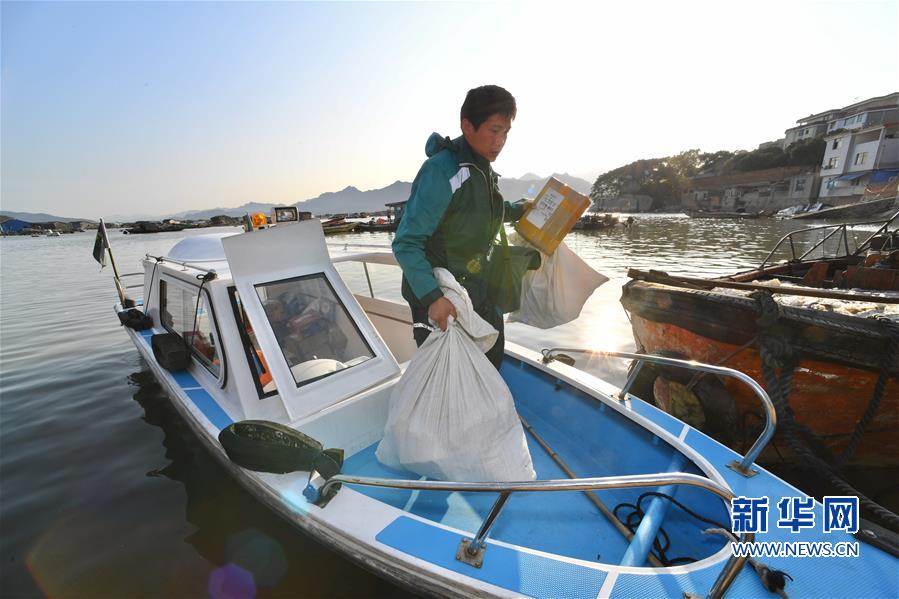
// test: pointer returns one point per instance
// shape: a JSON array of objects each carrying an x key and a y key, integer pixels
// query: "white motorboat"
[{"x": 626, "y": 495}]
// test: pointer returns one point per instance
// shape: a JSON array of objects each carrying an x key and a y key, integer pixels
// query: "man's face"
[{"x": 488, "y": 139}]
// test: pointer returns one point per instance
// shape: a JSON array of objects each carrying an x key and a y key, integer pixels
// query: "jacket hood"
[
  {"x": 459, "y": 147},
  {"x": 437, "y": 142}
]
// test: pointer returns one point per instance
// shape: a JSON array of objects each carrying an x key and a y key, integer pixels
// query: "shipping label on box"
[{"x": 554, "y": 212}]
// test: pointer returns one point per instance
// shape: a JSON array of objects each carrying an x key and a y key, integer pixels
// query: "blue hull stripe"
[{"x": 195, "y": 392}]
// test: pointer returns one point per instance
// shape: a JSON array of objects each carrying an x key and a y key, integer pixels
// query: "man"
[{"x": 454, "y": 214}]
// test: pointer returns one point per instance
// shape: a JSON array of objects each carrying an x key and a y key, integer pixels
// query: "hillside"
[
  {"x": 351, "y": 199},
  {"x": 347, "y": 200},
  {"x": 40, "y": 217}
]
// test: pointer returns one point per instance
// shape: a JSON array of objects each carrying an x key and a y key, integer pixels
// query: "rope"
[
  {"x": 886, "y": 364},
  {"x": 777, "y": 353},
  {"x": 662, "y": 543},
  {"x": 801, "y": 317},
  {"x": 774, "y": 581}
]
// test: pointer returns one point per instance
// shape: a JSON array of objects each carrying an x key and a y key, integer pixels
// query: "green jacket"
[{"x": 451, "y": 219}]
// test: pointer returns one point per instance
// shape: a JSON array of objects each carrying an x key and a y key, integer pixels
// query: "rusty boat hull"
[{"x": 840, "y": 358}]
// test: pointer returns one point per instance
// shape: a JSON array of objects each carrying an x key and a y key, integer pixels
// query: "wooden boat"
[
  {"x": 864, "y": 209},
  {"x": 379, "y": 225},
  {"x": 143, "y": 227},
  {"x": 338, "y": 225},
  {"x": 595, "y": 222},
  {"x": 792, "y": 211},
  {"x": 842, "y": 364},
  {"x": 329, "y": 372}
]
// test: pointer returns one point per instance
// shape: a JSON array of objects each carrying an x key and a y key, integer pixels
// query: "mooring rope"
[
  {"x": 776, "y": 352},
  {"x": 885, "y": 365}
]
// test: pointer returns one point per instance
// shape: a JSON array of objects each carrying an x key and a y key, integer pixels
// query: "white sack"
[
  {"x": 451, "y": 414},
  {"x": 556, "y": 292}
]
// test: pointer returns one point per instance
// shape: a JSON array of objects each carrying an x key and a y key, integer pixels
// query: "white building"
[
  {"x": 753, "y": 191},
  {"x": 811, "y": 126},
  {"x": 862, "y": 139}
]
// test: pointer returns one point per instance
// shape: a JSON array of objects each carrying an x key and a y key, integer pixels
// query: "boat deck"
[
  {"x": 594, "y": 441},
  {"x": 558, "y": 544}
]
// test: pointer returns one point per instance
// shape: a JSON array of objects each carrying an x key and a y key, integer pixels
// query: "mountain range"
[
  {"x": 39, "y": 217},
  {"x": 347, "y": 200},
  {"x": 352, "y": 199}
]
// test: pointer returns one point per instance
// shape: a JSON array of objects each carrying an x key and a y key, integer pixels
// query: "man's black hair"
[{"x": 483, "y": 102}]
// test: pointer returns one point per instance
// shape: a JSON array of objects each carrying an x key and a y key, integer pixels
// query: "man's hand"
[{"x": 440, "y": 310}]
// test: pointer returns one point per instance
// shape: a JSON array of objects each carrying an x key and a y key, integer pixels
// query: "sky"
[{"x": 123, "y": 108}]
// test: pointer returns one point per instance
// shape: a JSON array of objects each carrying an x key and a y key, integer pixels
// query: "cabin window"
[
  {"x": 180, "y": 313},
  {"x": 262, "y": 376},
  {"x": 313, "y": 328}
]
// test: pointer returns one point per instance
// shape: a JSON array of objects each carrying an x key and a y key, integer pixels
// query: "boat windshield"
[{"x": 313, "y": 328}]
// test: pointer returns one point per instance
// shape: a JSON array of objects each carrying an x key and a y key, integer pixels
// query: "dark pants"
[{"x": 489, "y": 313}]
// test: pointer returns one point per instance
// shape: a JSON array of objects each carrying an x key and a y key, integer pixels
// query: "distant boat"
[
  {"x": 792, "y": 211},
  {"x": 856, "y": 210},
  {"x": 595, "y": 222},
  {"x": 338, "y": 225},
  {"x": 142, "y": 227},
  {"x": 380, "y": 224}
]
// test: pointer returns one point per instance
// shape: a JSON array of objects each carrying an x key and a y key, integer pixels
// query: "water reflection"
[{"x": 250, "y": 551}]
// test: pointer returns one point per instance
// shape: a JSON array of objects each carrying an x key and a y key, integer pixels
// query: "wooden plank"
[
  {"x": 886, "y": 279},
  {"x": 663, "y": 278},
  {"x": 815, "y": 275}
]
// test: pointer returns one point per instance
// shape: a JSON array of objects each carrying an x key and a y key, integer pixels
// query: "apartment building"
[
  {"x": 809, "y": 127},
  {"x": 862, "y": 153}
]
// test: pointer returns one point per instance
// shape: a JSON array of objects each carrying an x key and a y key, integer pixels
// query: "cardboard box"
[{"x": 554, "y": 212}]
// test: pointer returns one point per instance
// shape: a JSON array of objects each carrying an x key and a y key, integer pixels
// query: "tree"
[
  {"x": 663, "y": 179},
  {"x": 807, "y": 152},
  {"x": 763, "y": 158}
]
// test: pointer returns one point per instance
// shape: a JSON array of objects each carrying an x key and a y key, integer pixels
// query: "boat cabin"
[{"x": 274, "y": 332}]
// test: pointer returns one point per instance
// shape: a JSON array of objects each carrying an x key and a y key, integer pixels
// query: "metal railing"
[
  {"x": 133, "y": 274},
  {"x": 476, "y": 546},
  {"x": 842, "y": 229},
  {"x": 366, "y": 259},
  {"x": 184, "y": 263},
  {"x": 744, "y": 467}
]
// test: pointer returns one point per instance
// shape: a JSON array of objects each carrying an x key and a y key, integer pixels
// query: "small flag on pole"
[{"x": 101, "y": 244}]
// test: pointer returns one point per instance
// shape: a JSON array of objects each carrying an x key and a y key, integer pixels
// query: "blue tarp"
[
  {"x": 14, "y": 225},
  {"x": 884, "y": 176},
  {"x": 852, "y": 176}
]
